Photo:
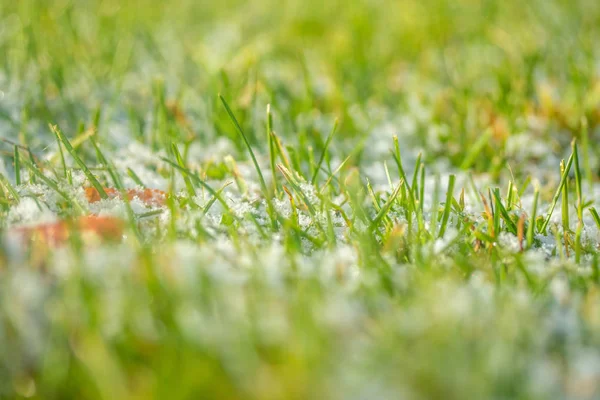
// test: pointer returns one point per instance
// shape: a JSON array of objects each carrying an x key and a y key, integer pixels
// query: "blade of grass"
[
  {"x": 333, "y": 173},
  {"x": 531, "y": 225},
  {"x": 32, "y": 160},
  {"x": 213, "y": 199},
  {"x": 447, "y": 206},
  {"x": 510, "y": 195},
  {"x": 188, "y": 183},
  {"x": 385, "y": 208},
  {"x": 135, "y": 178},
  {"x": 324, "y": 153},
  {"x": 353, "y": 153},
  {"x": 239, "y": 180},
  {"x": 504, "y": 213},
  {"x": 397, "y": 157},
  {"x": 579, "y": 193},
  {"x": 17, "y": 161},
  {"x": 261, "y": 178},
  {"x": 563, "y": 179},
  {"x": 248, "y": 146},
  {"x": 62, "y": 156},
  {"x": 461, "y": 200},
  {"x": 495, "y": 214},
  {"x": 76, "y": 142},
  {"x": 149, "y": 214},
  {"x": 414, "y": 183},
  {"x": 565, "y": 200},
  {"x": 373, "y": 196},
  {"x": 524, "y": 187},
  {"x": 280, "y": 151},
  {"x": 272, "y": 150},
  {"x": 79, "y": 162},
  {"x": 521, "y": 231},
  {"x": 595, "y": 216},
  {"x": 9, "y": 188},
  {"x": 476, "y": 148}
]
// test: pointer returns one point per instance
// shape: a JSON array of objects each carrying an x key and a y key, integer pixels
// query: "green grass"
[{"x": 360, "y": 199}]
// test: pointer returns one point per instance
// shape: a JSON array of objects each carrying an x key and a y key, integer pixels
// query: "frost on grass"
[
  {"x": 226, "y": 254},
  {"x": 318, "y": 283}
]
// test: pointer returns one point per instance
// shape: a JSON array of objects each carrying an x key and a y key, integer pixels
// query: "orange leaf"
[
  {"x": 150, "y": 197},
  {"x": 56, "y": 233}
]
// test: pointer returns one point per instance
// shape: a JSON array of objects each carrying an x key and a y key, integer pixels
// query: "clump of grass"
[{"x": 65, "y": 142}]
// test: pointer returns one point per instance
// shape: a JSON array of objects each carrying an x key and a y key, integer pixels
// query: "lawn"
[{"x": 299, "y": 199}]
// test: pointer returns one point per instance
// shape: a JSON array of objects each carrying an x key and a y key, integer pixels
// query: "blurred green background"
[{"x": 470, "y": 65}]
